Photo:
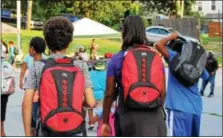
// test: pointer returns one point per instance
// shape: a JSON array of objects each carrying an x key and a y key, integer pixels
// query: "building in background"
[
  {"x": 212, "y": 9},
  {"x": 212, "y": 12}
]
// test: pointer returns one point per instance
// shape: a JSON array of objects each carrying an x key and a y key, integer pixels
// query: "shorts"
[
  {"x": 140, "y": 124},
  {"x": 34, "y": 114},
  {"x": 181, "y": 124},
  {"x": 12, "y": 60},
  {"x": 4, "y": 101}
]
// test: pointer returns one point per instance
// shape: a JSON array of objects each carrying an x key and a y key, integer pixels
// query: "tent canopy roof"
[{"x": 86, "y": 26}]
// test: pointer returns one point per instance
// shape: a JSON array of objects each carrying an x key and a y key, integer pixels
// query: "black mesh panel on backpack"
[{"x": 188, "y": 65}]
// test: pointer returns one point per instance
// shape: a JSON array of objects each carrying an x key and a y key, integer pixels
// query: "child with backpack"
[
  {"x": 98, "y": 77},
  {"x": 64, "y": 86},
  {"x": 7, "y": 86},
  {"x": 12, "y": 54},
  {"x": 136, "y": 75},
  {"x": 186, "y": 62},
  {"x": 37, "y": 47}
]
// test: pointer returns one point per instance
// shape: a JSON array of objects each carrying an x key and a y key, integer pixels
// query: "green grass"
[{"x": 106, "y": 45}]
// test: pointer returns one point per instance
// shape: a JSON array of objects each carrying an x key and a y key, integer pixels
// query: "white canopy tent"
[{"x": 88, "y": 27}]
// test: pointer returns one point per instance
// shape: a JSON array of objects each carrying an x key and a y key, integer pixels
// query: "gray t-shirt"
[{"x": 35, "y": 72}]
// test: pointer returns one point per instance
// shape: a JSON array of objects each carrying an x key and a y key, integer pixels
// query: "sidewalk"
[{"x": 211, "y": 122}]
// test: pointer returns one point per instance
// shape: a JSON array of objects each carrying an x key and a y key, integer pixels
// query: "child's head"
[
  {"x": 11, "y": 43},
  {"x": 82, "y": 49},
  {"x": 58, "y": 33},
  {"x": 37, "y": 45}
]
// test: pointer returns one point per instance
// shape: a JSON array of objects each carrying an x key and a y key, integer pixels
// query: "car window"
[
  {"x": 163, "y": 32},
  {"x": 153, "y": 30}
]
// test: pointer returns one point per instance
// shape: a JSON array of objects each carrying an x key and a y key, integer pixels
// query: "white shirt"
[
  {"x": 84, "y": 56},
  {"x": 3, "y": 51}
]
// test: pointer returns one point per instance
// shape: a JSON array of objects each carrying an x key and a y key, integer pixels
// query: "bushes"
[{"x": 145, "y": 21}]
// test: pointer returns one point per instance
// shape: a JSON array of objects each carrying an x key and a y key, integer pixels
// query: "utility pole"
[
  {"x": 182, "y": 9},
  {"x": 29, "y": 14},
  {"x": 18, "y": 12}
]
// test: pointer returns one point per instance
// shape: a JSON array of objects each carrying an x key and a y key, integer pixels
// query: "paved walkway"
[{"x": 211, "y": 124}]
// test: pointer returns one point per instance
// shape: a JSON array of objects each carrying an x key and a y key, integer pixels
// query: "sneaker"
[
  {"x": 210, "y": 96},
  {"x": 91, "y": 127}
]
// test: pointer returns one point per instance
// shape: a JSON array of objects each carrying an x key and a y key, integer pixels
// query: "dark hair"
[
  {"x": 127, "y": 13},
  {"x": 11, "y": 42},
  {"x": 58, "y": 33},
  {"x": 38, "y": 44},
  {"x": 82, "y": 48},
  {"x": 133, "y": 32},
  {"x": 6, "y": 46}
]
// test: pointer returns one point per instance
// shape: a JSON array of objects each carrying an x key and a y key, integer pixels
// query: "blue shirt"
[
  {"x": 99, "y": 111},
  {"x": 29, "y": 60},
  {"x": 11, "y": 51},
  {"x": 99, "y": 80},
  {"x": 179, "y": 97}
]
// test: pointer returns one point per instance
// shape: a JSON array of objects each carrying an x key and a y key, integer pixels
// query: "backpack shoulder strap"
[{"x": 48, "y": 63}]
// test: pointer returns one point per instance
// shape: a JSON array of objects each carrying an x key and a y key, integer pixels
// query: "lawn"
[{"x": 107, "y": 43}]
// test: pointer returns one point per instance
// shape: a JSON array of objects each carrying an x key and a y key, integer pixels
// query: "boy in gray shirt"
[{"x": 58, "y": 33}]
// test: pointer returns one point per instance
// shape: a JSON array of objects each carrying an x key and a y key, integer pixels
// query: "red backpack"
[
  {"x": 142, "y": 78},
  {"x": 61, "y": 98}
]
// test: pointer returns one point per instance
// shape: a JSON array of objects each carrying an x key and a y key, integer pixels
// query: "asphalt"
[{"x": 211, "y": 123}]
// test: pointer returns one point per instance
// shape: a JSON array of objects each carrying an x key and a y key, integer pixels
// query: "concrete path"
[{"x": 211, "y": 124}]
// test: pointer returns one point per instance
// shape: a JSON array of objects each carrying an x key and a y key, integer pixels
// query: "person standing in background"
[
  {"x": 93, "y": 49},
  {"x": 4, "y": 97},
  {"x": 12, "y": 54},
  {"x": 83, "y": 54},
  {"x": 212, "y": 67}
]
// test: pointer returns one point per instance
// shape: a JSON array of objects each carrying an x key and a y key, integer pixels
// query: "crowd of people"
[{"x": 119, "y": 92}]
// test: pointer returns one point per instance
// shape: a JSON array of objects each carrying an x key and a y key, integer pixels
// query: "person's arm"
[
  {"x": 161, "y": 44},
  {"x": 163, "y": 94},
  {"x": 110, "y": 92},
  {"x": 88, "y": 94},
  {"x": 30, "y": 87},
  {"x": 109, "y": 98},
  {"x": 27, "y": 110},
  {"x": 22, "y": 74},
  {"x": 216, "y": 66}
]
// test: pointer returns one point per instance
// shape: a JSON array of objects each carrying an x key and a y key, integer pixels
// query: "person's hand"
[
  {"x": 90, "y": 121},
  {"x": 212, "y": 73},
  {"x": 21, "y": 85},
  {"x": 106, "y": 130},
  {"x": 174, "y": 36},
  {"x": 95, "y": 119}
]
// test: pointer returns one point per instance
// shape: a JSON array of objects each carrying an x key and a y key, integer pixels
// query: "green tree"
[{"x": 165, "y": 6}]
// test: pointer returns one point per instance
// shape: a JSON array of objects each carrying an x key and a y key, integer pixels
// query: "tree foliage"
[
  {"x": 104, "y": 11},
  {"x": 166, "y": 6}
]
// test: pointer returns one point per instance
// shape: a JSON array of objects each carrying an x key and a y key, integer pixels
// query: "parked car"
[
  {"x": 156, "y": 33},
  {"x": 34, "y": 25}
]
